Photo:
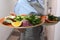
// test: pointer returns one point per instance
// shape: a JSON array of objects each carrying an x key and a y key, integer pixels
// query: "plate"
[
  {"x": 51, "y": 23},
  {"x": 10, "y": 26}
]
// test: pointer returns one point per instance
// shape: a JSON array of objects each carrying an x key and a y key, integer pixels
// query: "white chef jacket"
[{"x": 23, "y": 7}]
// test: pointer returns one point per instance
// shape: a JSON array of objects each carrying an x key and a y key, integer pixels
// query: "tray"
[{"x": 10, "y": 26}]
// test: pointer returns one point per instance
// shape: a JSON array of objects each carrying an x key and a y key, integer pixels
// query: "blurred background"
[
  {"x": 53, "y": 31},
  {"x": 6, "y": 6}
]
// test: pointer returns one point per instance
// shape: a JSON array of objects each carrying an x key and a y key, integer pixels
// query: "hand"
[
  {"x": 1, "y": 20},
  {"x": 43, "y": 18}
]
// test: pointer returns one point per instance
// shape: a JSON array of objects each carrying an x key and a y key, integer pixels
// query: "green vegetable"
[
  {"x": 52, "y": 18},
  {"x": 18, "y": 18},
  {"x": 33, "y": 19},
  {"x": 8, "y": 21}
]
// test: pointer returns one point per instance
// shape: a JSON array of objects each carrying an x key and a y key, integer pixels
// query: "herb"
[
  {"x": 18, "y": 18},
  {"x": 33, "y": 19},
  {"x": 52, "y": 18}
]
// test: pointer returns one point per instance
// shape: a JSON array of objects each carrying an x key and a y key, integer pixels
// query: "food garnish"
[{"x": 16, "y": 24}]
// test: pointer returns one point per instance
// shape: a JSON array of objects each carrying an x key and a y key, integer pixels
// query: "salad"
[
  {"x": 22, "y": 20},
  {"x": 51, "y": 18}
]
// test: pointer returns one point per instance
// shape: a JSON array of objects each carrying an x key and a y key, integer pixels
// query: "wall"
[
  {"x": 53, "y": 31},
  {"x": 5, "y": 7},
  {"x": 51, "y": 28},
  {"x": 57, "y": 26}
]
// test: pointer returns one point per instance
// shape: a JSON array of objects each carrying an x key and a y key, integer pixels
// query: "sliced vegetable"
[
  {"x": 16, "y": 24},
  {"x": 12, "y": 17},
  {"x": 8, "y": 21},
  {"x": 25, "y": 23}
]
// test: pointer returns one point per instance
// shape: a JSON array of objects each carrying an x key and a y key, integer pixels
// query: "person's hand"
[
  {"x": 43, "y": 18},
  {"x": 1, "y": 20},
  {"x": 12, "y": 13}
]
